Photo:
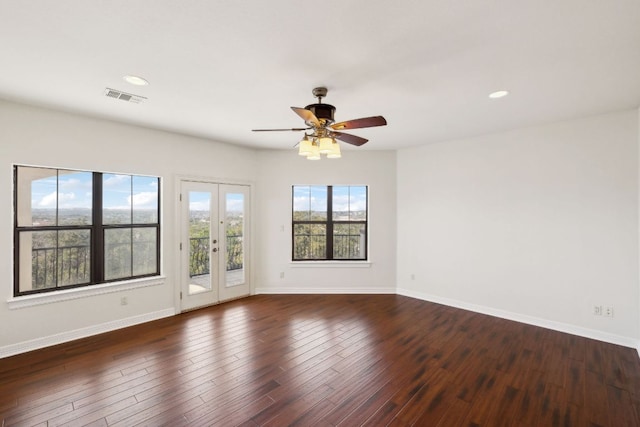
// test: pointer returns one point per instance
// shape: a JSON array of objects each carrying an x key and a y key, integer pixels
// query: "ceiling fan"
[{"x": 324, "y": 132}]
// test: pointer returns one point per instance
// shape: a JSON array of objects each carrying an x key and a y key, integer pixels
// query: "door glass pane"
[
  {"x": 199, "y": 242},
  {"x": 234, "y": 232}
]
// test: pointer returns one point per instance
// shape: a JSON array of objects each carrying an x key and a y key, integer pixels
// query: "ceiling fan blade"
[
  {"x": 366, "y": 122},
  {"x": 279, "y": 130},
  {"x": 306, "y": 115},
  {"x": 349, "y": 139}
]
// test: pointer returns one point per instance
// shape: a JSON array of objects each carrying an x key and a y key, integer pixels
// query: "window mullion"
[
  {"x": 329, "y": 236},
  {"x": 97, "y": 232},
  {"x": 158, "y": 229},
  {"x": 131, "y": 240},
  {"x": 16, "y": 236},
  {"x": 57, "y": 224}
]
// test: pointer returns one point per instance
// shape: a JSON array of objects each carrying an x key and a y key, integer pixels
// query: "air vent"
[{"x": 128, "y": 97}]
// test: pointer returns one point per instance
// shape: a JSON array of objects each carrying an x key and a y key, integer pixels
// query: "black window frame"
[
  {"x": 329, "y": 223},
  {"x": 96, "y": 229}
]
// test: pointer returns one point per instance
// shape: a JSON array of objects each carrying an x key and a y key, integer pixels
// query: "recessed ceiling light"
[
  {"x": 498, "y": 94},
  {"x": 136, "y": 80}
]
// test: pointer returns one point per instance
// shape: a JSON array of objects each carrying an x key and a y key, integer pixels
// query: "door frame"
[{"x": 178, "y": 231}]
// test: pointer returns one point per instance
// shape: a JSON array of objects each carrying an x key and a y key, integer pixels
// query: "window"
[
  {"x": 329, "y": 223},
  {"x": 78, "y": 228}
]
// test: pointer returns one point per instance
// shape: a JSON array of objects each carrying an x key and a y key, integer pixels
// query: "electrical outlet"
[
  {"x": 597, "y": 310},
  {"x": 124, "y": 301},
  {"x": 608, "y": 311},
  {"x": 282, "y": 274},
  {"x": 413, "y": 276}
]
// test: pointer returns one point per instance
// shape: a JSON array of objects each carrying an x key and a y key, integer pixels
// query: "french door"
[{"x": 214, "y": 243}]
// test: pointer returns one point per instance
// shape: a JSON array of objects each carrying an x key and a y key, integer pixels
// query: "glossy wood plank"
[{"x": 325, "y": 360}]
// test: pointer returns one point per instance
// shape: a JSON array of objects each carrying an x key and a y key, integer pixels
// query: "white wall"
[
  {"x": 535, "y": 224},
  {"x": 36, "y": 136},
  {"x": 279, "y": 171}
]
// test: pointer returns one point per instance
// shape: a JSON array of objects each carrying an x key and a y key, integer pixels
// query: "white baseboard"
[
  {"x": 530, "y": 320},
  {"x": 307, "y": 290},
  {"x": 43, "y": 342},
  {"x": 38, "y": 343}
]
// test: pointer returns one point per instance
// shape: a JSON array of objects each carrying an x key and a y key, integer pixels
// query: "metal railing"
[
  {"x": 348, "y": 246},
  {"x": 345, "y": 246},
  {"x": 69, "y": 265},
  {"x": 199, "y": 254},
  {"x": 74, "y": 266}
]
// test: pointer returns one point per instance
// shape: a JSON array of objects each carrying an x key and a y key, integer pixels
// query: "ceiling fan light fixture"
[
  {"x": 305, "y": 146},
  {"x": 315, "y": 152},
  {"x": 335, "y": 151},
  {"x": 322, "y": 131},
  {"x": 325, "y": 145}
]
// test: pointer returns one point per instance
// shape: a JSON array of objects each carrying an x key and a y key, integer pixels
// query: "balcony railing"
[
  {"x": 199, "y": 255},
  {"x": 69, "y": 265},
  {"x": 345, "y": 246},
  {"x": 74, "y": 266}
]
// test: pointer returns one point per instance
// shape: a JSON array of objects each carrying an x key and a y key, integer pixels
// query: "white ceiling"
[{"x": 221, "y": 68}]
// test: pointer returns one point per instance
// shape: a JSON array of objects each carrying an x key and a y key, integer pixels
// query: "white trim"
[
  {"x": 62, "y": 337},
  {"x": 211, "y": 180},
  {"x": 530, "y": 320},
  {"x": 178, "y": 211},
  {"x": 330, "y": 264},
  {"x": 638, "y": 236},
  {"x": 83, "y": 292},
  {"x": 309, "y": 290},
  {"x": 43, "y": 342}
]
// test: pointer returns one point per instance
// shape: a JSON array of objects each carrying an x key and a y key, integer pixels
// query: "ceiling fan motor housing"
[
  {"x": 324, "y": 112},
  {"x": 319, "y": 118}
]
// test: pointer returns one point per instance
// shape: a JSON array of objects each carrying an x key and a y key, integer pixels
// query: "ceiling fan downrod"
[{"x": 319, "y": 92}]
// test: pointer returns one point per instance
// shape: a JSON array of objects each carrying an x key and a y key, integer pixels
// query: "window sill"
[
  {"x": 84, "y": 292},
  {"x": 331, "y": 264}
]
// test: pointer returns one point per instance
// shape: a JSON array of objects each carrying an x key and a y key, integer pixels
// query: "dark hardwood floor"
[{"x": 325, "y": 360}]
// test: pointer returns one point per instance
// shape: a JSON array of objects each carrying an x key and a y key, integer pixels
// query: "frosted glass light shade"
[
  {"x": 315, "y": 152},
  {"x": 305, "y": 147},
  {"x": 335, "y": 151},
  {"x": 325, "y": 145}
]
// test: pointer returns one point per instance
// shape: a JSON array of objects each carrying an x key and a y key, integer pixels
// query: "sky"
[
  {"x": 121, "y": 191},
  {"x": 75, "y": 191},
  {"x": 345, "y": 198},
  {"x": 201, "y": 201}
]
